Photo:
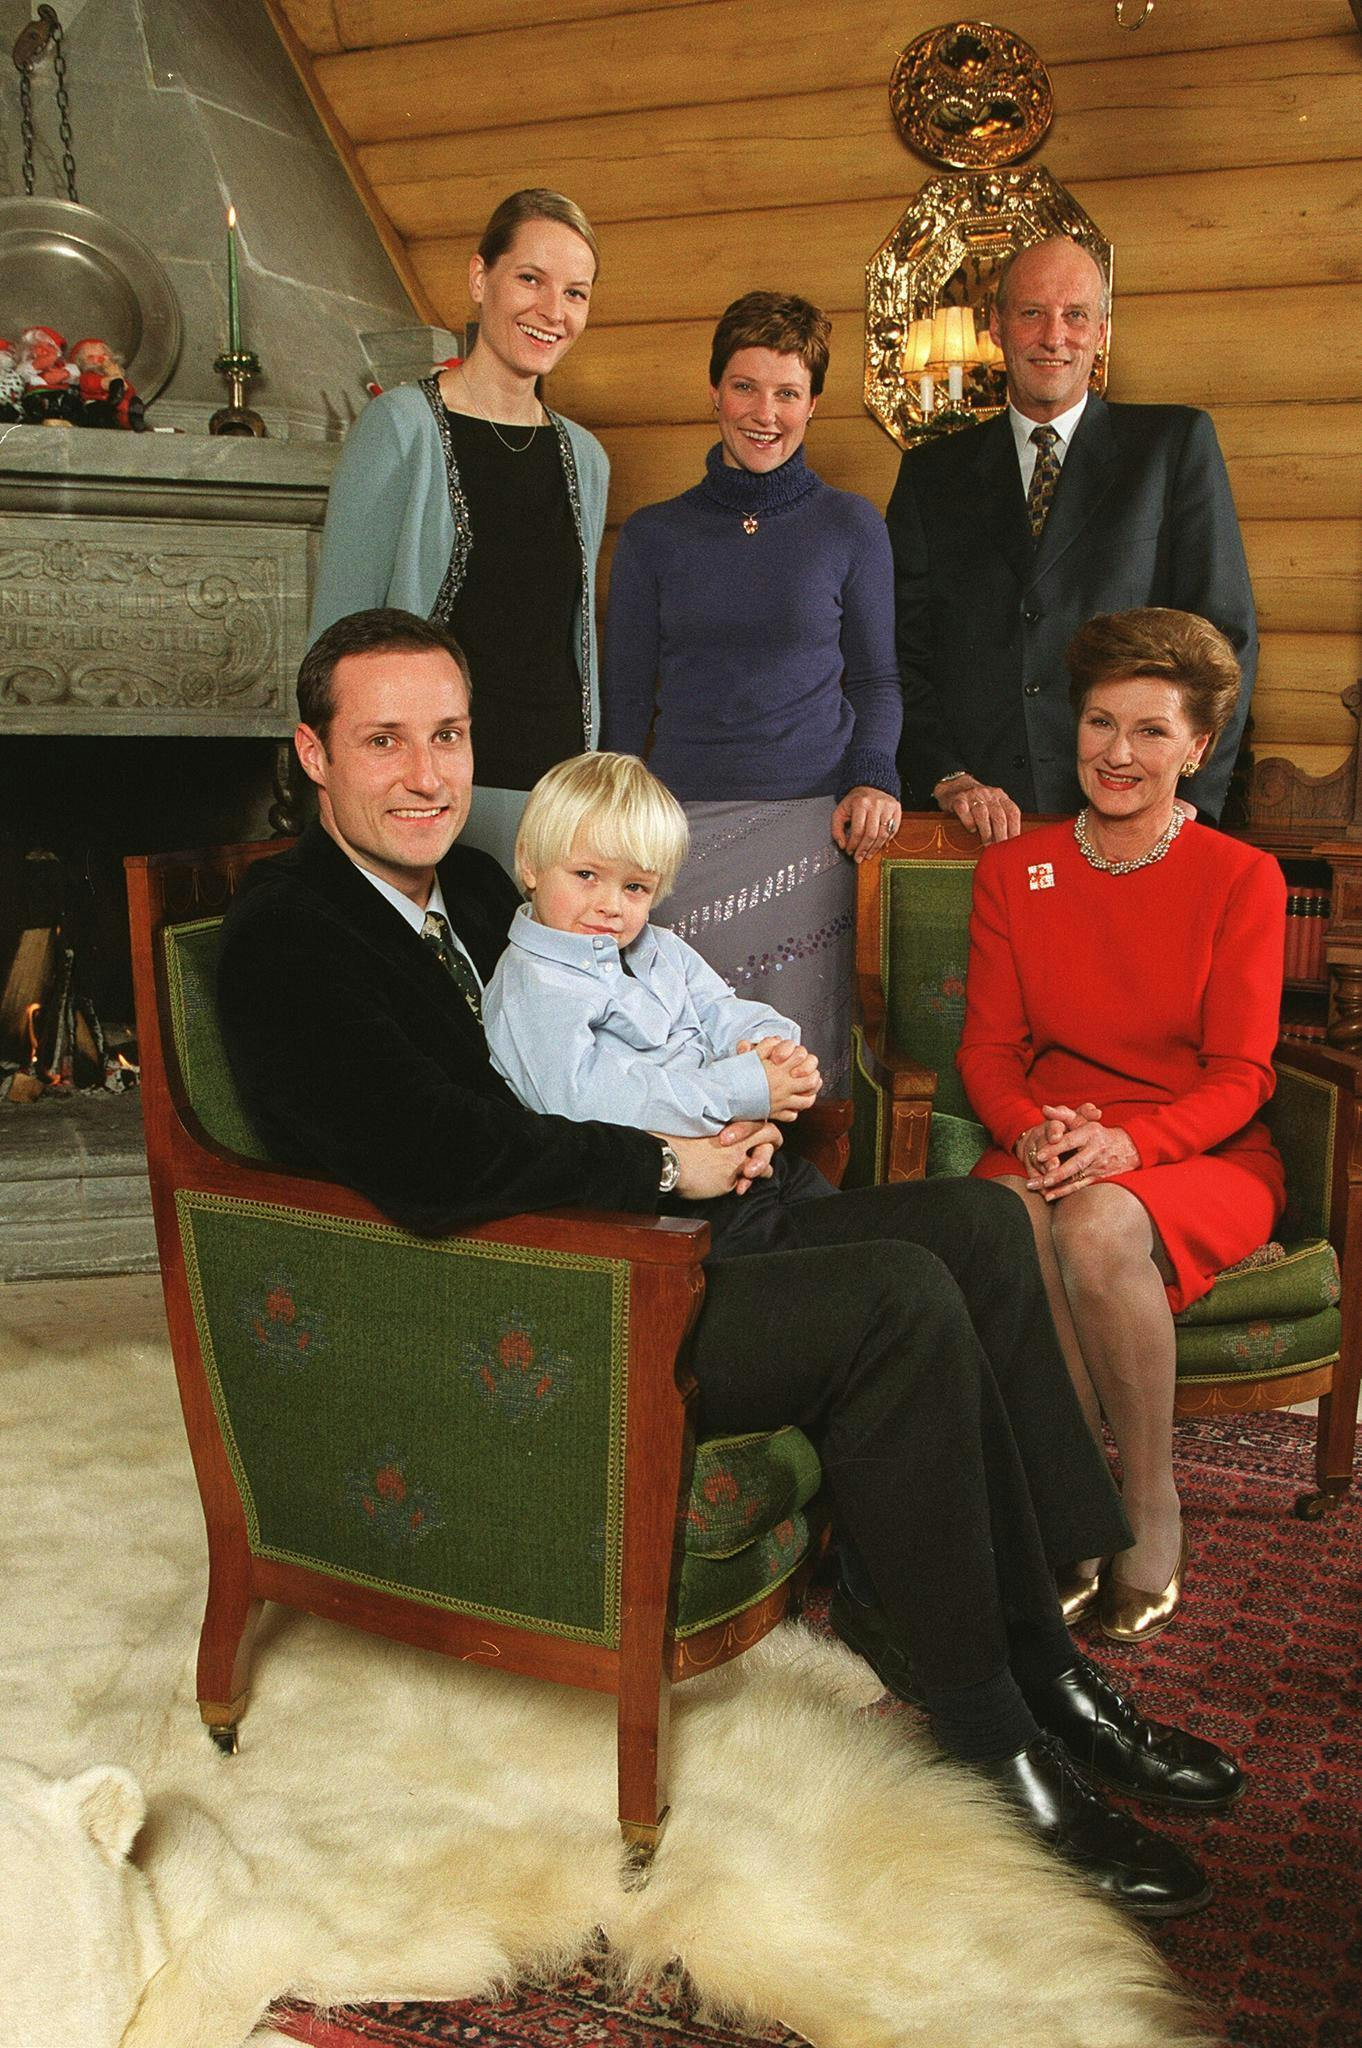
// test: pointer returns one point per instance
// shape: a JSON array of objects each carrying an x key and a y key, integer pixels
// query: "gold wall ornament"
[
  {"x": 971, "y": 96},
  {"x": 931, "y": 366}
]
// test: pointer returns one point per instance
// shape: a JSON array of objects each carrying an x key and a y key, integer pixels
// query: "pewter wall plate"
[{"x": 68, "y": 267}]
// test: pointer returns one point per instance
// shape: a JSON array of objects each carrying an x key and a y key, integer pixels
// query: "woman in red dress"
[{"x": 1121, "y": 1013}]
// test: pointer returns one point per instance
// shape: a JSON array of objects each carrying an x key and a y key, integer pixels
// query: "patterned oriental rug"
[{"x": 1271, "y": 1633}]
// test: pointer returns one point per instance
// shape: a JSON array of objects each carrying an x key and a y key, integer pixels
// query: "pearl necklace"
[
  {"x": 488, "y": 421},
  {"x": 1126, "y": 867}
]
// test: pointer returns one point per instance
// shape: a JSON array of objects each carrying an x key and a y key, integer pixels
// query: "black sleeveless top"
[{"x": 513, "y": 609}]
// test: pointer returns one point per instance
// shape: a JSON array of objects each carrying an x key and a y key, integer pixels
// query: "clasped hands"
[
  {"x": 1071, "y": 1149},
  {"x": 742, "y": 1151}
]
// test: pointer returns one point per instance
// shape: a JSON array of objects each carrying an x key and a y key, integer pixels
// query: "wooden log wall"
[{"x": 726, "y": 144}]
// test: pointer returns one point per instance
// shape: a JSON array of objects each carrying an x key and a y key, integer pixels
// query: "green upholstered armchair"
[
  {"x": 1262, "y": 1338},
  {"x": 482, "y": 1444}
]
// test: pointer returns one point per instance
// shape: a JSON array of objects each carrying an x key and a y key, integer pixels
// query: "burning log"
[
  {"x": 51, "y": 1035},
  {"x": 34, "y": 963}
]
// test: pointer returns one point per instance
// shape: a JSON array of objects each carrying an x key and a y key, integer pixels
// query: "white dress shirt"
[{"x": 415, "y": 915}]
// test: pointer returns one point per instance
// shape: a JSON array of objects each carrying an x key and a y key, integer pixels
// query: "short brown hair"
[
  {"x": 382, "y": 630},
  {"x": 1172, "y": 647},
  {"x": 536, "y": 202},
  {"x": 774, "y": 320}
]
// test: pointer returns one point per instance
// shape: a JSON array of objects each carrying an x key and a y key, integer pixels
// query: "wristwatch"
[{"x": 671, "y": 1170}]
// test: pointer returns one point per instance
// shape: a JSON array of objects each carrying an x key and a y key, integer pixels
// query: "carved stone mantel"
[{"x": 155, "y": 584}]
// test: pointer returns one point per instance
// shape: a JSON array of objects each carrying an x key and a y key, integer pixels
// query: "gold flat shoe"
[
  {"x": 1077, "y": 1592},
  {"x": 1129, "y": 1615}
]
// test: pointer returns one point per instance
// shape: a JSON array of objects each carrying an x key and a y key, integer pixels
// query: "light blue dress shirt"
[{"x": 575, "y": 1035}]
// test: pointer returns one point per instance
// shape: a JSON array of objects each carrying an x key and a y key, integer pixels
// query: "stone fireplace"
[{"x": 153, "y": 609}]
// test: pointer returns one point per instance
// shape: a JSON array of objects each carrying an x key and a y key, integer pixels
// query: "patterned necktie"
[
  {"x": 1044, "y": 477},
  {"x": 437, "y": 935}
]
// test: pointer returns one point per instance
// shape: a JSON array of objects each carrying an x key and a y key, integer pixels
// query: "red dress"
[{"x": 1156, "y": 996}]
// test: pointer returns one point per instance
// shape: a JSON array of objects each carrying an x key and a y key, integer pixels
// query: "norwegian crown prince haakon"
[
  {"x": 958, "y": 1462},
  {"x": 1005, "y": 544}
]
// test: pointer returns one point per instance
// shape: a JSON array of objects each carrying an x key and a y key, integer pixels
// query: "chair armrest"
[
  {"x": 1341, "y": 1071},
  {"x": 1329, "y": 1062},
  {"x": 655, "y": 1240},
  {"x": 888, "y": 1067},
  {"x": 822, "y": 1135}
]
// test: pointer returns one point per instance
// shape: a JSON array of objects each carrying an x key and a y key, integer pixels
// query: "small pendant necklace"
[
  {"x": 751, "y": 523},
  {"x": 1141, "y": 860},
  {"x": 488, "y": 421}
]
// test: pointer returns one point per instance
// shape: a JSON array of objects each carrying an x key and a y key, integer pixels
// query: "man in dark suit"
[
  {"x": 1008, "y": 537},
  {"x": 958, "y": 1461}
]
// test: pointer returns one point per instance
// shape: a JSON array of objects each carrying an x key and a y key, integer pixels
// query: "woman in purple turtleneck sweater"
[{"x": 754, "y": 615}]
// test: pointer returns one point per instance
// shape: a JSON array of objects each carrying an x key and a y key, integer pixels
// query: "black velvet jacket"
[{"x": 356, "y": 1054}]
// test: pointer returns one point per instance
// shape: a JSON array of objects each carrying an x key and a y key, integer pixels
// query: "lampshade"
[
  {"x": 917, "y": 347},
  {"x": 990, "y": 355},
  {"x": 953, "y": 339}
]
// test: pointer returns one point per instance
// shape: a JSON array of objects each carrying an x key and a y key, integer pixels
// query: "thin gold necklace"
[{"x": 488, "y": 421}]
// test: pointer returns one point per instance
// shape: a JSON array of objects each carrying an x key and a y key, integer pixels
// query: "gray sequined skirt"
[{"x": 768, "y": 900}]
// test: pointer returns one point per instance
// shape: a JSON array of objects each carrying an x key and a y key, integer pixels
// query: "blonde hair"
[
  {"x": 535, "y": 202},
  {"x": 612, "y": 801}
]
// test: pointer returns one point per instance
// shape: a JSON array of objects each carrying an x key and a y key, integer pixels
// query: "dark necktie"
[
  {"x": 437, "y": 935},
  {"x": 1044, "y": 477}
]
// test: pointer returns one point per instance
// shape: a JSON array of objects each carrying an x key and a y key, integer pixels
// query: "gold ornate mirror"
[{"x": 963, "y": 94}]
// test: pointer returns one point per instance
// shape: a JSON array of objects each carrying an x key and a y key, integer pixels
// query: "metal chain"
[
  {"x": 29, "y": 50},
  {"x": 68, "y": 161},
  {"x": 26, "y": 127}
]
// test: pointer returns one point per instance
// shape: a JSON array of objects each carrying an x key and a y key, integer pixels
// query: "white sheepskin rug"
[{"x": 401, "y": 1826}]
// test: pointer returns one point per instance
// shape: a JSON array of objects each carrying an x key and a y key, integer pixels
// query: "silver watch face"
[{"x": 671, "y": 1171}]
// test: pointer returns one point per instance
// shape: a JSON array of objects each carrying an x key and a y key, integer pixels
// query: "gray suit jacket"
[{"x": 1142, "y": 515}]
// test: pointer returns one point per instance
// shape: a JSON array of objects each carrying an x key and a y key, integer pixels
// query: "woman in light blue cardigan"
[{"x": 464, "y": 498}]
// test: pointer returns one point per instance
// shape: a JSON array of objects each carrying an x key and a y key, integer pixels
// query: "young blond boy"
[{"x": 594, "y": 1013}]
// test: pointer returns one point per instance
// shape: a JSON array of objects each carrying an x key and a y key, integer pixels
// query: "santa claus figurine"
[
  {"x": 11, "y": 381},
  {"x": 51, "y": 396},
  {"x": 107, "y": 398}
]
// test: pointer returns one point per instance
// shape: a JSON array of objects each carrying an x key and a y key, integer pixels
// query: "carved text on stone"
[{"x": 124, "y": 616}]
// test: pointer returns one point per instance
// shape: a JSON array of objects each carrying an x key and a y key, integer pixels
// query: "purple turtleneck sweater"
[{"x": 769, "y": 654}]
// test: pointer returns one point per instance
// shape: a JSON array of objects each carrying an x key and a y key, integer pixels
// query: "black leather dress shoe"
[
  {"x": 1126, "y": 1862},
  {"x": 867, "y": 1631},
  {"x": 1108, "y": 1736}
]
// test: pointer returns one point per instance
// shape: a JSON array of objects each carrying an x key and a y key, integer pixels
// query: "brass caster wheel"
[
  {"x": 1313, "y": 1507},
  {"x": 226, "y": 1738}
]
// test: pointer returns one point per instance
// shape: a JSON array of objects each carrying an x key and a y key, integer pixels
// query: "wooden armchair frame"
[
  {"x": 908, "y": 1088},
  {"x": 665, "y": 1290}
]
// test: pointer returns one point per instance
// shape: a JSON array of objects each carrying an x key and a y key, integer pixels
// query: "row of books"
[
  {"x": 1314, "y": 1034},
  {"x": 1307, "y": 919}
]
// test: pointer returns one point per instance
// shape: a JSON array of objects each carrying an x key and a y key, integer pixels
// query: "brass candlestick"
[{"x": 238, "y": 366}]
